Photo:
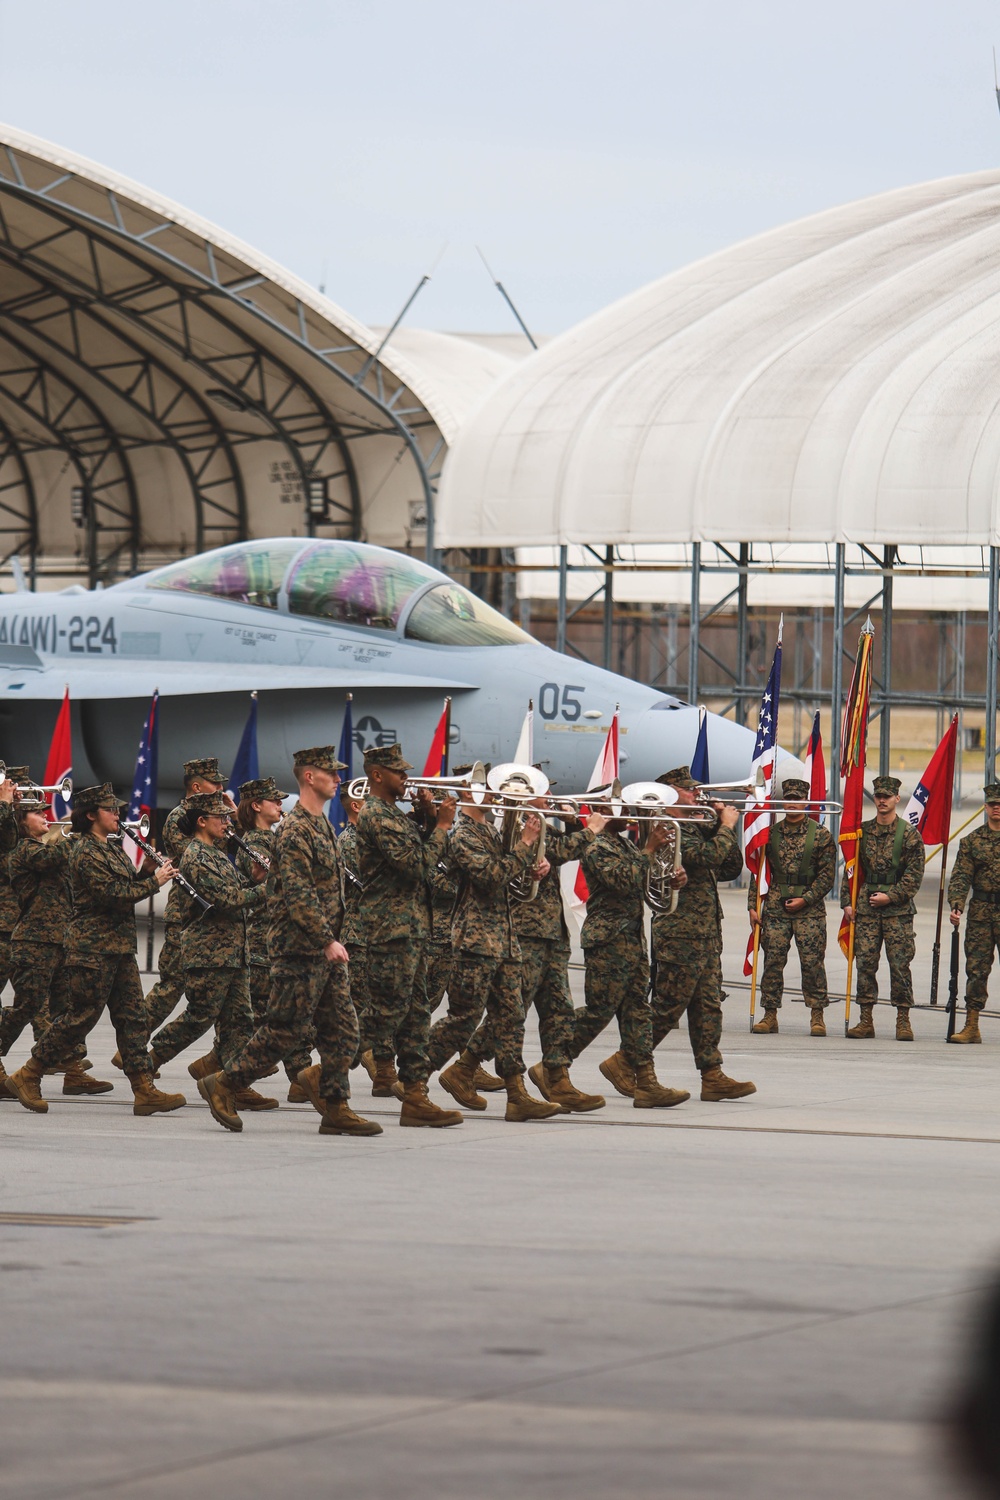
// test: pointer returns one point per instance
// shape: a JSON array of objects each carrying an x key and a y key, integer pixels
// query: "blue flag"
[
  {"x": 699, "y": 761},
  {"x": 143, "y": 798},
  {"x": 246, "y": 766},
  {"x": 345, "y": 753}
]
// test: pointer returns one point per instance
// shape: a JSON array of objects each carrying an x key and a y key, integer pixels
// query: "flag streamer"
[{"x": 852, "y": 765}]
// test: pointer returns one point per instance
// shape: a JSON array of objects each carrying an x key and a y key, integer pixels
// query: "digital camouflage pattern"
[
  {"x": 173, "y": 843},
  {"x": 482, "y": 985},
  {"x": 9, "y": 910},
  {"x": 395, "y": 861},
  {"x": 616, "y": 874},
  {"x": 259, "y": 975},
  {"x": 309, "y": 996},
  {"x": 544, "y": 918},
  {"x": 483, "y": 922},
  {"x": 305, "y": 901},
  {"x": 687, "y": 944},
  {"x": 168, "y": 991},
  {"x": 806, "y": 927},
  {"x": 40, "y": 880},
  {"x": 41, "y": 988},
  {"x": 977, "y": 868},
  {"x": 443, "y": 882},
  {"x": 616, "y": 982},
  {"x": 351, "y": 934},
  {"x": 889, "y": 926},
  {"x": 215, "y": 952},
  {"x": 100, "y": 957}
]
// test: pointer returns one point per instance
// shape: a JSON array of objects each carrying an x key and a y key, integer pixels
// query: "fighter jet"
[{"x": 303, "y": 622}]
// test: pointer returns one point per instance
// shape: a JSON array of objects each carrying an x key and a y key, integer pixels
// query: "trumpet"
[
  {"x": 515, "y": 787},
  {"x": 29, "y": 789},
  {"x": 738, "y": 793},
  {"x": 248, "y": 850},
  {"x": 474, "y": 779}
]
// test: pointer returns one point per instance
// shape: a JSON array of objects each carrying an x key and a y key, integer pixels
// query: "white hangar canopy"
[
  {"x": 164, "y": 388},
  {"x": 832, "y": 381}
]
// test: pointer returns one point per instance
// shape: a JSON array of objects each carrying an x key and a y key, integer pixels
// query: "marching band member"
[
  {"x": 486, "y": 974},
  {"x": 803, "y": 863},
  {"x": 891, "y": 858},
  {"x": 310, "y": 991},
  {"x": 15, "y": 776},
  {"x": 100, "y": 957},
  {"x": 395, "y": 856},
  {"x": 354, "y": 940},
  {"x": 215, "y": 943}
]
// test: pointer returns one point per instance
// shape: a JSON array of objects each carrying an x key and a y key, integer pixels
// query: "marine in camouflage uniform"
[
  {"x": 443, "y": 883},
  {"x": 100, "y": 958},
  {"x": 616, "y": 960},
  {"x": 310, "y": 990},
  {"x": 9, "y": 910},
  {"x": 802, "y": 864},
  {"x": 486, "y": 974},
  {"x": 891, "y": 868},
  {"x": 396, "y": 854},
  {"x": 200, "y": 776},
  {"x": 40, "y": 880},
  {"x": 214, "y": 944},
  {"x": 687, "y": 943},
  {"x": 353, "y": 931},
  {"x": 977, "y": 871}
]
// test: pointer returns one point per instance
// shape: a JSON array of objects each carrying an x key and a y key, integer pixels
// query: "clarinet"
[
  {"x": 249, "y": 850},
  {"x": 161, "y": 859}
]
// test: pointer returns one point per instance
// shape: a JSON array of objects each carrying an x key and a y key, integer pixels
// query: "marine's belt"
[
  {"x": 789, "y": 892},
  {"x": 989, "y": 898}
]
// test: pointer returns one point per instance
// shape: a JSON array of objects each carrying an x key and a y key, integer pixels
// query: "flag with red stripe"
[
  {"x": 929, "y": 809},
  {"x": 437, "y": 757},
  {"x": 816, "y": 769},
  {"x": 852, "y": 767},
  {"x": 604, "y": 773},
  {"x": 60, "y": 762},
  {"x": 757, "y": 817}
]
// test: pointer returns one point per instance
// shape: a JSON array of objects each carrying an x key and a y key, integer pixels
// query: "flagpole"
[
  {"x": 447, "y": 736},
  {"x": 855, "y": 881},
  {"x": 936, "y": 950},
  {"x": 756, "y": 952}
]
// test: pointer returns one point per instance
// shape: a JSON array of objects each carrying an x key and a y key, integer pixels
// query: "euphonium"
[
  {"x": 646, "y": 802},
  {"x": 516, "y": 785}
]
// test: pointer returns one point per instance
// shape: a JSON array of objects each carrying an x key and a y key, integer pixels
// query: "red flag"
[
  {"x": 437, "y": 757},
  {"x": 60, "y": 761},
  {"x": 855, "y": 747},
  {"x": 816, "y": 769},
  {"x": 929, "y": 809},
  {"x": 604, "y": 773},
  {"x": 850, "y": 832}
]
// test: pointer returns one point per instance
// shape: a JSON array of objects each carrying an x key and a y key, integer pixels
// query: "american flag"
[
  {"x": 757, "y": 818},
  {"x": 143, "y": 798}
]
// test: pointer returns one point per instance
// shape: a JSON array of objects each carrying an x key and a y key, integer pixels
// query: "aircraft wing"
[{"x": 37, "y": 679}]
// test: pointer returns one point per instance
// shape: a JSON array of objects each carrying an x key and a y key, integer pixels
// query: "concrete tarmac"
[{"x": 757, "y": 1299}]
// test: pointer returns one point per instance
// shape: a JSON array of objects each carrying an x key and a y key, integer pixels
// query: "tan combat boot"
[
  {"x": 419, "y": 1109},
  {"x": 116, "y": 1062},
  {"x": 716, "y": 1087},
  {"x": 250, "y": 1099},
  {"x": 970, "y": 1031},
  {"x": 555, "y": 1085},
  {"x": 520, "y": 1105},
  {"x": 202, "y": 1066},
  {"x": 651, "y": 1094},
  {"x": 459, "y": 1081},
  {"x": 340, "y": 1119},
  {"x": 768, "y": 1022},
  {"x": 221, "y": 1100},
  {"x": 5, "y": 1092},
  {"x": 619, "y": 1073},
  {"x": 866, "y": 1026},
  {"x": 148, "y": 1098},
  {"x": 25, "y": 1085},
  {"x": 385, "y": 1080},
  {"x": 367, "y": 1061},
  {"x": 904, "y": 1031},
  {"x": 489, "y": 1083},
  {"x": 817, "y": 1021},
  {"x": 76, "y": 1081},
  {"x": 297, "y": 1094}
]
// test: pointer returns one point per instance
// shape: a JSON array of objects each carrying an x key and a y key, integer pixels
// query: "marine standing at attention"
[
  {"x": 802, "y": 860},
  {"x": 977, "y": 869},
  {"x": 891, "y": 858}
]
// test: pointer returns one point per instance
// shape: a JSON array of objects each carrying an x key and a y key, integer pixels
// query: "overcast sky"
[{"x": 587, "y": 147}]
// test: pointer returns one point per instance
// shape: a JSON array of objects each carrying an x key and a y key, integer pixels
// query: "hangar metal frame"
[{"x": 93, "y": 254}]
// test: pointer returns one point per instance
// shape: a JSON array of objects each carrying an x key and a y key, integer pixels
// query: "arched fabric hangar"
[{"x": 164, "y": 388}]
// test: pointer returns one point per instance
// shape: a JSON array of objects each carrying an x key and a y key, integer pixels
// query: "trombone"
[
  {"x": 738, "y": 793},
  {"x": 474, "y": 779}
]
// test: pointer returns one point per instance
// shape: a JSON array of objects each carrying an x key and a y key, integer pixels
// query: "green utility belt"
[
  {"x": 790, "y": 892},
  {"x": 989, "y": 898},
  {"x": 881, "y": 890}
]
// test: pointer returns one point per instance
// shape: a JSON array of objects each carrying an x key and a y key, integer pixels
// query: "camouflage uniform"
[
  {"x": 352, "y": 935},
  {"x": 443, "y": 883},
  {"x": 215, "y": 953},
  {"x": 309, "y": 994},
  {"x": 890, "y": 925},
  {"x": 100, "y": 956},
  {"x": 40, "y": 882},
  {"x": 616, "y": 981},
  {"x": 258, "y": 963},
  {"x": 687, "y": 944},
  {"x": 9, "y": 910},
  {"x": 796, "y": 870},
  {"x": 977, "y": 869},
  {"x": 395, "y": 858},
  {"x": 486, "y": 974},
  {"x": 544, "y": 941}
]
